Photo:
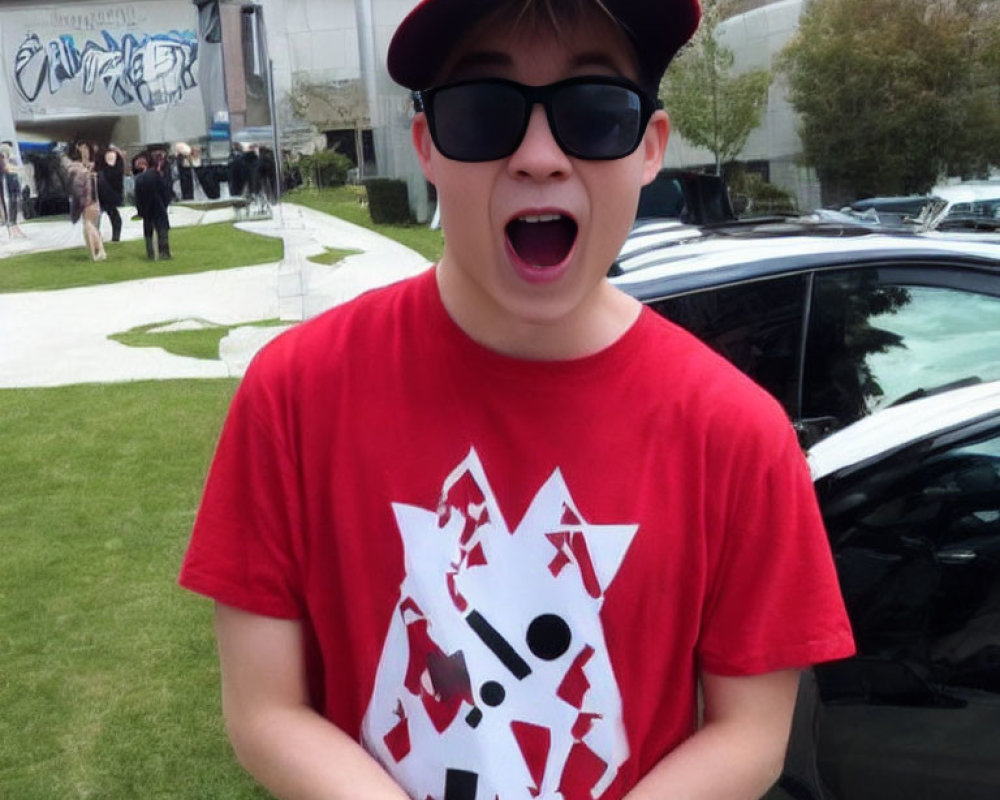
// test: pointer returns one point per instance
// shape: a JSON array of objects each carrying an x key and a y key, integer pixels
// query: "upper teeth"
[{"x": 540, "y": 218}]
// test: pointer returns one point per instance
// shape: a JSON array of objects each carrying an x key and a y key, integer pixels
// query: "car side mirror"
[{"x": 811, "y": 429}]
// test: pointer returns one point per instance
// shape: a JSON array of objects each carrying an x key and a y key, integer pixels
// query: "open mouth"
[{"x": 542, "y": 240}]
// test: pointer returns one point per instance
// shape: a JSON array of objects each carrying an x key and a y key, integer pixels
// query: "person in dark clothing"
[
  {"x": 111, "y": 187},
  {"x": 241, "y": 164},
  {"x": 152, "y": 196},
  {"x": 10, "y": 192},
  {"x": 183, "y": 156}
]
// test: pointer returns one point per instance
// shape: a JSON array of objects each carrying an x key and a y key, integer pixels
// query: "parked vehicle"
[
  {"x": 965, "y": 206},
  {"x": 835, "y": 321},
  {"x": 889, "y": 211},
  {"x": 972, "y": 206},
  {"x": 691, "y": 197},
  {"x": 911, "y": 500},
  {"x": 885, "y": 350}
]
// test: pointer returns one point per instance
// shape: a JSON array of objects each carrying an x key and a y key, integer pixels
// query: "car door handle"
[{"x": 958, "y": 556}]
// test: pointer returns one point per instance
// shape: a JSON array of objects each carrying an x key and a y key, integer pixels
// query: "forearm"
[
  {"x": 740, "y": 750},
  {"x": 719, "y": 762},
  {"x": 298, "y": 755}
]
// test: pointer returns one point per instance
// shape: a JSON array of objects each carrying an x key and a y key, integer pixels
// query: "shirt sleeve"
[
  {"x": 243, "y": 550},
  {"x": 774, "y": 601}
]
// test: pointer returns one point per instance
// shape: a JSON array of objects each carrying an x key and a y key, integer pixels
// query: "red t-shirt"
[{"x": 510, "y": 571}]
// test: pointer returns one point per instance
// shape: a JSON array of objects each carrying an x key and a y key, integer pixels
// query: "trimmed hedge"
[
  {"x": 388, "y": 201},
  {"x": 758, "y": 197}
]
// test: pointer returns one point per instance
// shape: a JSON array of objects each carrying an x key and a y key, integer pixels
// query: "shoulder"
[
  {"x": 348, "y": 336},
  {"x": 720, "y": 404},
  {"x": 316, "y": 374},
  {"x": 672, "y": 350}
]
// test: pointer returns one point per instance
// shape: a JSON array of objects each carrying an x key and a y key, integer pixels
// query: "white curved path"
[{"x": 61, "y": 337}]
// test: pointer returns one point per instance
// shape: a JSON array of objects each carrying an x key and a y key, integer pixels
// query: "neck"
[{"x": 594, "y": 324}]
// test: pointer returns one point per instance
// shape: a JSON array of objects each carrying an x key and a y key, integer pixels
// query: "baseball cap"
[{"x": 426, "y": 37}]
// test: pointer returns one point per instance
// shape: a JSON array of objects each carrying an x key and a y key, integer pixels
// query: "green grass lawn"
[
  {"x": 108, "y": 672},
  {"x": 346, "y": 202},
  {"x": 196, "y": 343},
  {"x": 332, "y": 256},
  {"x": 196, "y": 248}
]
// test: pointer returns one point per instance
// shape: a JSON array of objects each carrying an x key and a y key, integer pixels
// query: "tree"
[
  {"x": 709, "y": 106},
  {"x": 893, "y": 94}
]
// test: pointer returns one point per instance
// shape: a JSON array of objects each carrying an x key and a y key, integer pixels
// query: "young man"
[
  {"x": 152, "y": 197},
  {"x": 111, "y": 187},
  {"x": 483, "y": 533}
]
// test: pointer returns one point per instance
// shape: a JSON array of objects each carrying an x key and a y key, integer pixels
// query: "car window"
[
  {"x": 663, "y": 198},
  {"x": 873, "y": 343},
  {"x": 917, "y": 546},
  {"x": 977, "y": 208},
  {"x": 757, "y": 326}
]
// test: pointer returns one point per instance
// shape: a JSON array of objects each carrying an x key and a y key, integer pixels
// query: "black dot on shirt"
[
  {"x": 492, "y": 693},
  {"x": 548, "y": 636}
]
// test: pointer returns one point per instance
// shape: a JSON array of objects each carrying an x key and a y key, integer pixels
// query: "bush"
[
  {"x": 753, "y": 196},
  {"x": 325, "y": 168},
  {"x": 388, "y": 201}
]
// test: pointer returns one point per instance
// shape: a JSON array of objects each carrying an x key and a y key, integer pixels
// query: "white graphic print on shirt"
[{"x": 494, "y": 679}]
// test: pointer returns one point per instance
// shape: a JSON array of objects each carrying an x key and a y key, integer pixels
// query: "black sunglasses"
[{"x": 594, "y": 118}]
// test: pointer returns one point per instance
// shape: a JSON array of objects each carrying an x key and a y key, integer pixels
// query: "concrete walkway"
[{"x": 61, "y": 337}]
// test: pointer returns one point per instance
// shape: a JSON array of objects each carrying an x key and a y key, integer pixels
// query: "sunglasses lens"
[
  {"x": 597, "y": 121},
  {"x": 477, "y": 121}
]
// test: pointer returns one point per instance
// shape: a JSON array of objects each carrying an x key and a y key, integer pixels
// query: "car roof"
[
  {"x": 656, "y": 233},
  {"x": 902, "y": 202},
  {"x": 898, "y": 426},
  {"x": 967, "y": 192},
  {"x": 676, "y": 260}
]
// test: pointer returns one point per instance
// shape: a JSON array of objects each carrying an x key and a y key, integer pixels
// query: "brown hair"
[{"x": 552, "y": 16}]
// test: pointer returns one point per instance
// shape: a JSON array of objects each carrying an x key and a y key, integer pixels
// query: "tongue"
[{"x": 542, "y": 244}]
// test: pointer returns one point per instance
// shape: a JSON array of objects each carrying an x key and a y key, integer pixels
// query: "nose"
[{"x": 539, "y": 155}]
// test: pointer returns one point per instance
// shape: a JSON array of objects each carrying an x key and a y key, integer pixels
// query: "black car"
[
  {"x": 834, "y": 321},
  {"x": 885, "y": 351},
  {"x": 911, "y": 500},
  {"x": 691, "y": 197}
]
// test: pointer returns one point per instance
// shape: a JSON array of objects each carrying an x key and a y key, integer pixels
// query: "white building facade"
[
  {"x": 756, "y": 37},
  {"x": 329, "y": 72}
]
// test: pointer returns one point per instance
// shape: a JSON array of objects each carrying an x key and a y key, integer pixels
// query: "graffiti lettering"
[
  {"x": 124, "y": 17},
  {"x": 153, "y": 71}
]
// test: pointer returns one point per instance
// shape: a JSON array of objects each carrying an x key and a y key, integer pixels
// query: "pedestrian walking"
[
  {"x": 111, "y": 187},
  {"x": 10, "y": 192},
  {"x": 152, "y": 197},
  {"x": 84, "y": 204}
]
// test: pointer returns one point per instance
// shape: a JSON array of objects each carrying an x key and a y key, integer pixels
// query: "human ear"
[
  {"x": 422, "y": 144},
  {"x": 654, "y": 143}
]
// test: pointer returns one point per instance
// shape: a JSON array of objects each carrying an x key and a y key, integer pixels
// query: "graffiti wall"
[{"x": 81, "y": 58}]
